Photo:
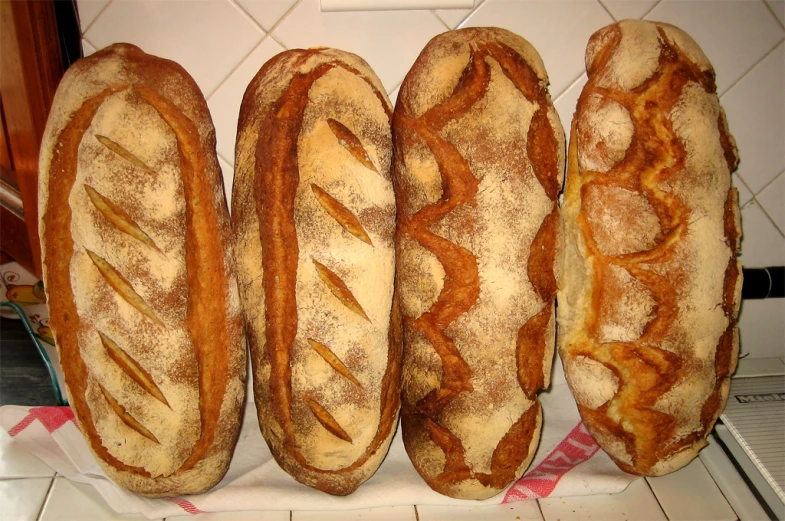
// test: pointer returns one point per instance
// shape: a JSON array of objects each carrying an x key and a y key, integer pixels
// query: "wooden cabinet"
[{"x": 31, "y": 65}]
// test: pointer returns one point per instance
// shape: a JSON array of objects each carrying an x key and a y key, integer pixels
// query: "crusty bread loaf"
[
  {"x": 649, "y": 281},
  {"x": 478, "y": 167},
  {"x": 140, "y": 282},
  {"x": 313, "y": 212}
]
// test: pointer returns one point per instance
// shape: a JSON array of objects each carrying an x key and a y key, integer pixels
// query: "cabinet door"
[{"x": 31, "y": 66}]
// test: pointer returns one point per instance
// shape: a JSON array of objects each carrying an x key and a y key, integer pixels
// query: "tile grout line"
[
  {"x": 234, "y": 69},
  {"x": 478, "y": 4},
  {"x": 760, "y": 205},
  {"x": 46, "y": 498},
  {"x": 398, "y": 86},
  {"x": 568, "y": 87},
  {"x": 539, "y": 507},
  {"x": 267, "y": 34},
  {"x": 230, "y": 163},
  {"x": 91, "y": 44},
  {"x": 280, "y": 20},
  {"x": 474, "y": 8},
  {"x": 607, "y": 10},
  {"x": 279, "y": 42},
  {"x": 104, "y": 8},
  {"x": 755, "y": 202},
  {"x": 754, "y": 197},
  {"x": 768, "y": 184},
  {"x": 771, "y": 10},
  {"x": 434, "y": 13},
  {"x": 656, "y": 498},
  {"x": 711, "y": 476},
  {"x": 250, "y": 18},
  {"x": 744, "y": 75},
  {"x": 245, "y": 13},
  {"x": 742, "y": 182},
  {"x": 647, "y": 13},
  {"x": 763, "y": 209}
]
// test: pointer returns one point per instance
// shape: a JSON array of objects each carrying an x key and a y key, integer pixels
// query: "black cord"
[{"x": 760, "y": 283}]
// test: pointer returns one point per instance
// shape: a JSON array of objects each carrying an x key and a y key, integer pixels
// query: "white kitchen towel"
[{"x": 568, "y": 462}]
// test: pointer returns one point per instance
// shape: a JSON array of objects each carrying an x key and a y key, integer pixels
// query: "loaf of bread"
[
  {"x": 140, "y": 281},
  {"x": 649, "y": 281},
  {"x": 313, "y": 213},
  {"x": 478, "y": 167}
]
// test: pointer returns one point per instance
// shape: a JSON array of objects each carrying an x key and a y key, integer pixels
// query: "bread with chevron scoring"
[
  {"x": 313, "y": 213},
  {"x": 142, "y": 294}
]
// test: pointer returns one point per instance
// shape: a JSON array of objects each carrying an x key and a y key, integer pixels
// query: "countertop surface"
[{"x": 29, "y": 490}]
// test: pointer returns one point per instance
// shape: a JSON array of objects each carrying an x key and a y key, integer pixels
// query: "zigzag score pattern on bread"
[{"x": 478, "y": 167}]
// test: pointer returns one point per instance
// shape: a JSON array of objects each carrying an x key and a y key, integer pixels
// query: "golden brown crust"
[
  {"x": 142, "y": 293},
  {"x": 649, "y": 282},
  {"x": 313, "y": 214},
  {"x": 478, "y": 166}
]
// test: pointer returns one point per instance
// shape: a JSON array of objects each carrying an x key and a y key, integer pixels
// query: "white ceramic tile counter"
[{"x": 29, "y": 490}]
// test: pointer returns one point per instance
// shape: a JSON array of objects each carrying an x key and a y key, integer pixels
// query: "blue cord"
[{"x": 44, "y": 355}]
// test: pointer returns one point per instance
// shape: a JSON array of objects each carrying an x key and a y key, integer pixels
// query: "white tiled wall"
[{"x": 223, "y": 43}]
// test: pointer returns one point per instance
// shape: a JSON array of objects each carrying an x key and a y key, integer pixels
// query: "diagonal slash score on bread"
[
  {"x": 313, "y": 212},
  {"x": 479, "y": 160},
  {"x": 138, "y": 270},
  {"x": 650, "y": 285}
]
